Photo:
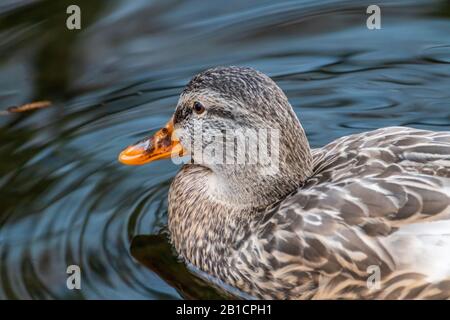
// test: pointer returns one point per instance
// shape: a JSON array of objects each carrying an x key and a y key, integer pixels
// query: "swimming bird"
[{"x": 364, "y": 217}]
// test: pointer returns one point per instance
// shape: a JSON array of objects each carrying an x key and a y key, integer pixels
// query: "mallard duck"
[{"x": 366, "y": 216}]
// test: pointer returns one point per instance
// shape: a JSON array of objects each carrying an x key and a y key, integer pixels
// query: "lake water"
[{"x": 64, "y": 198}]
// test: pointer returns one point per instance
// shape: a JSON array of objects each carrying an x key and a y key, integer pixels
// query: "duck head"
[{"x": 238, "y": 125}]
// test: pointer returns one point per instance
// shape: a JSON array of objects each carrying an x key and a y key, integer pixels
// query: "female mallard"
[{"x": 366, "y": 216}]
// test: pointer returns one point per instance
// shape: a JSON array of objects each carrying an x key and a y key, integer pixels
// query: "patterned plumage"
[
  {"x": 369, "y": 204},
  {"x": 375, "y": 199}
]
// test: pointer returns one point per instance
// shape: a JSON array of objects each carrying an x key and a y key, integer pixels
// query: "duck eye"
[{"x": 198, "y": 107}]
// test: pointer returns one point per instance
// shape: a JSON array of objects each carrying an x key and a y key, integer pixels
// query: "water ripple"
[{"x": 65, "y": 199}]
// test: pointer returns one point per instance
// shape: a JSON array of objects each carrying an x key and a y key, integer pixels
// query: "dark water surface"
[{"x": 64, "y": 198}]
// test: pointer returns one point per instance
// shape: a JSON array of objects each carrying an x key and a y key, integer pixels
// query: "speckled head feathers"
[
  {"x": 241, "y": 98},
  {"x": 240, "y": 83}
]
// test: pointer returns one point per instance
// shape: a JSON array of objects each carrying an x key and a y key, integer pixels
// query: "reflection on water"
[
  {"x": 65, "y": 200},
  {"x": 155, "y": 252}
]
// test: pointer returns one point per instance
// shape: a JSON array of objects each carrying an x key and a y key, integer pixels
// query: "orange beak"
[{"x": 162, "y": 145}]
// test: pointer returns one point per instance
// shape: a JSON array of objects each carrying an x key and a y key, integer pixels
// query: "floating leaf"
[{"x": 29, "y": 106}]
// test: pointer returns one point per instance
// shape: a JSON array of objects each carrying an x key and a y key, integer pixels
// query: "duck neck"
[{"x": 204, "y": 229}]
